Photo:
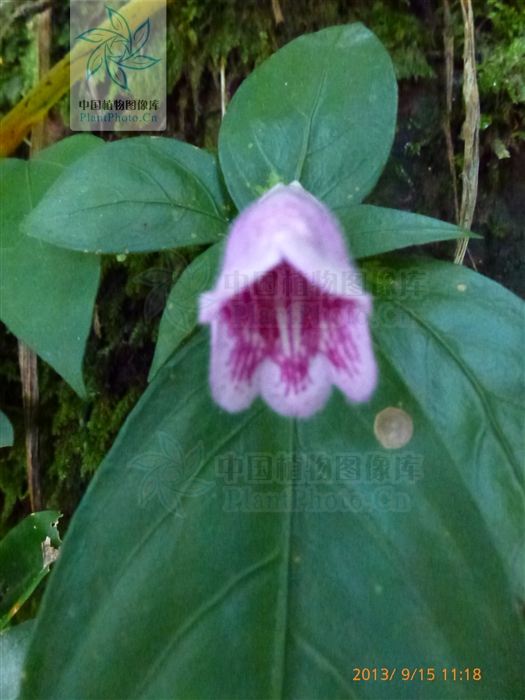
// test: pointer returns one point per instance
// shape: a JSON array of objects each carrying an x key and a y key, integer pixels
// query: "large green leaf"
[
  {"x": 232, "y": 602},
  {"x": 367, "y": 231},
  {"x": 6, "y": 431},
  {"x": 47, "y": 294},
  {"x": 23, "y": 563},
  {"x": 13, "y": 647},
  {"x": 321, "y": 110},
  {"x": 137, "y": 194}
]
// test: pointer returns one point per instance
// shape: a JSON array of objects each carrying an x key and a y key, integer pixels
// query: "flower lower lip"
[{"x": 287, "y": 320}]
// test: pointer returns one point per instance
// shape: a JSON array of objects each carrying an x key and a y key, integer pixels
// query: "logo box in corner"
[{"x": 118, "y": 65}]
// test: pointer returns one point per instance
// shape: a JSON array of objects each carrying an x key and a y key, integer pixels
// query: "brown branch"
[
  {"x": 43, "y": 41},
  {"x": 222, "y": 75},
  {"x": 28, "y": 8},
  {"x": 27, "y": 358},
  {"x": 448, "y": 40},
  {"x": 277, "y": 12},
  {"x": 29, "y": 375},
  {"x": 469, "y": 132}
]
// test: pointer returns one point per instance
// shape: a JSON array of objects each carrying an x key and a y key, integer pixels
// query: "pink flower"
[{"x": 288, "y": 315}]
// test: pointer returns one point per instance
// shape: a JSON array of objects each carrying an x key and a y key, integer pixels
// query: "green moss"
[
  {"x": 405, "y": 37},
  {"x": 18, "y": 68},
  {"x": 503, "y": 69},
  {"x": 84, "y": 434},
  {"x": 500, "y": 41}
]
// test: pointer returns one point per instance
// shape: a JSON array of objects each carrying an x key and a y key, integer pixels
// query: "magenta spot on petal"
[{"x": 289, "y": 320}]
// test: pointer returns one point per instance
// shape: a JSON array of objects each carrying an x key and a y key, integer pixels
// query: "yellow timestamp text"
[{"x": 417, "y": 674}]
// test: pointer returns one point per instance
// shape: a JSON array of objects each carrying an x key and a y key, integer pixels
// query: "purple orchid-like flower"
[{"x": 288, "y": 315}]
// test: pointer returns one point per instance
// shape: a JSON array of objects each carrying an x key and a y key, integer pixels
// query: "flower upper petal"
[{"x": 287, "y": 223}]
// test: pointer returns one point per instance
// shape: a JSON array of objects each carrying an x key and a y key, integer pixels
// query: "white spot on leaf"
[
  {"x": 393, "y": 427},
  {"x": 49, "y": 553}
]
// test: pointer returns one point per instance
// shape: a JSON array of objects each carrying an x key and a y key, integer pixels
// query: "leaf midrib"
[
  {"x": 306, "y": 143},
  {"x": 283, "y": 603}
]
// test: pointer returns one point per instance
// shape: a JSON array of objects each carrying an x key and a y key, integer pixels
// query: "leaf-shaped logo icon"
[
  {"x": 171, "y": 448},
  {"x": 170, "y": 499},
  {"x": 120, "y": 25},
  {"x": 199, "y": 276},
  {"x": 160, "y": 279},
  {"x": 154, "y": 276},
  {"x": 176, "y": 262},
  {"x": 95, "y": 36},
  {"x": 194, "y": 459},
  {"x": 148, "y": 488},
  {"x": 141, "y": 36},
  {"x": 117, "y": 49},
  {"x": 183, "y": 300},
  {"x": 95, "y": 61},
  {"x": 115, "y": 72},
  {"x": 120, "y": 49},
  {"x": 151, "y": 461},
  {"x": 171, "y": 474},
  {"x": 155, "y": 302},
  {"x": 138, "y": 62}
]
